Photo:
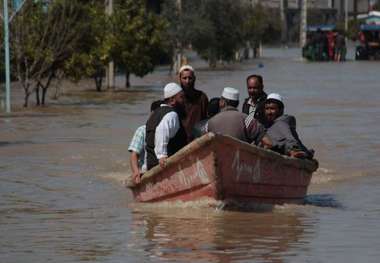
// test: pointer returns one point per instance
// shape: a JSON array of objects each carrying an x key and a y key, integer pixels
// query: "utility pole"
[
  {"x": 284, "y": 21},
  {"x": 7, "y": 60},
  {"x": 346, "y": 16},
  {"x": 178, "y": 58},
  {"x": 303, "y": 22},
  {"x": 110, "y": 70},
  {"x": 355, "y": 7}
]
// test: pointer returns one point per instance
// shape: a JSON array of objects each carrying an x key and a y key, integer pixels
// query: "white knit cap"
[
  {"x": 171, "y": 89},
  {"x": 186, "y": 67},
  {"x": 230, "y": 94},
  {"x": 275, "y": 96}
]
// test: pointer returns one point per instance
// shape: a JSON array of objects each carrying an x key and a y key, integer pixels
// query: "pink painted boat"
[{"x": 225, "y": 169}]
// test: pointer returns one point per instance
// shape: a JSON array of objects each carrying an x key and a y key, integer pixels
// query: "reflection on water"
[{"x": 213, "y": 236}]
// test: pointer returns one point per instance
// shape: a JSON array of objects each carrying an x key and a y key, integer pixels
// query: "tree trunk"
[
  {"x": 38, "y": 95},
  {"x": 44, "y": 90},
  {"x": 47, "y": 85},
  {"x": 26, "y": 99},
  {"x": 98, "y": 82},
  {"x": 127, "y": 83}
]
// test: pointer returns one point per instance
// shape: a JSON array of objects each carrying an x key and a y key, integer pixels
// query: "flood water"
[{"x": 61, "y": 168}]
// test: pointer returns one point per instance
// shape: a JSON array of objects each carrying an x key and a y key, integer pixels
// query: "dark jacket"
[
  {"x": 175, "y": 143},
  {"x": 284, "y": 137},
  {"x": 229, "y": 122},
  {"x": 196, "y": 110},
  {"x": 259, "y": 113}
]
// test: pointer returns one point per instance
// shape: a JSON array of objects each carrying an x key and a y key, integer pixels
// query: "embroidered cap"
[
  {"x": 275, "y": 96},
  {"x": 230, "y": 94},
  {"x": 171, "y": 89},
  {"x": 186, "y": 67}
]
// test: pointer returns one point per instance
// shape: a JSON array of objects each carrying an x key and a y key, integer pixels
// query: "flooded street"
[{"x": 62, "y": 167}]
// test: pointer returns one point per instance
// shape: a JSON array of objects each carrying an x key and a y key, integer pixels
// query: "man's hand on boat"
[
  {"x": 162, "y": 161},
  {"x": 136, "y": 177},
  {"x": 297, "y": 154}
]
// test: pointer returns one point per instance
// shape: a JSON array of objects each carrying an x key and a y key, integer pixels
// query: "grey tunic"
[
  {"x": 229, "y": 122},
  {"x": 284, "y": 136}
]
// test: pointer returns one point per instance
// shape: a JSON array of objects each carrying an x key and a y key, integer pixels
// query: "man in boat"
[
  {"x": 229, "y": 121},
  {"x": 281, "y": 129},
  {"x": 253, "y": 106},
  {"x": 196, "y": 101},
  {"x": 136, "y": 148},
  {"x": 165, "y": 134}
]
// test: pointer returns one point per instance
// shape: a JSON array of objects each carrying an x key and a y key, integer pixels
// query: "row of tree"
[{"x": 75, "y": 39}]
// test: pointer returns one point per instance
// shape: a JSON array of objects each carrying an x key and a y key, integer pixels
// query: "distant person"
[
  {"x": 165, "y": 134},
  {"x": 137, "y": 149},
  {"x": 340, "y": 47},
  {"x": 253, "y": 106},
  {"x": 318, "y": 41},
  {"x": 281, "y": 129},
  {"x": 196, "y": 101},
  {"x": 229, "y": 121},
  {"x": 331, "y": 44},
  {"x": 201, "y": 127}
]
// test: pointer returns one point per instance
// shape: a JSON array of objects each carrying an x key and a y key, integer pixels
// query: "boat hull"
[{"x": 225, "y": 169}]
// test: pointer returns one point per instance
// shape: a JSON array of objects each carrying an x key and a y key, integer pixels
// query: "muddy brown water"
[{"x": 61, "y": 197}]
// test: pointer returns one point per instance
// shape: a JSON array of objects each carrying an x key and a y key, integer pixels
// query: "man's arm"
[
  {"x": 136, "y": 148},
  {"x": 165, "y": 130},
  {"x": 134, "y": 163},
  {"x": 293, "y": 146}
]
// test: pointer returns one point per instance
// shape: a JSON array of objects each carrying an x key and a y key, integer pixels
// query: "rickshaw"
[
  {"x": 369, "y": 37},
  {"x": 317, "y": 43}
]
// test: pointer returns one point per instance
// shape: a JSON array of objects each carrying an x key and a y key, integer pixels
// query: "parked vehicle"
[
  {"x": 369, "y": 37},
  {"x": 323, "y": 43}
]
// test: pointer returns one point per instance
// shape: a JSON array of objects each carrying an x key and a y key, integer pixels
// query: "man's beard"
[{"x": 180, "y": 109}]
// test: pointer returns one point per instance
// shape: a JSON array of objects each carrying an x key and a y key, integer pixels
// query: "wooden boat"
[{"x": 225, "y": 169}]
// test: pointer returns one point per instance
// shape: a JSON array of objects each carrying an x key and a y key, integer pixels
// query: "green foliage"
[
  {"x": 353, "y": 29},
  {"x": 44, "y": 38},
  {"x": 93, "y": 50},
  {"x": 217, "y": 30},
  {"x": 138, "y": 40},
  {"x": 261, "y": 25}
]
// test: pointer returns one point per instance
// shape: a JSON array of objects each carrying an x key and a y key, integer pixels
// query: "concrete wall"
[{"x": 322, "y": 4}]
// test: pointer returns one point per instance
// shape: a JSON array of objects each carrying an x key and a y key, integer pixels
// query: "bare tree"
[{"x": 44, "y": 36}]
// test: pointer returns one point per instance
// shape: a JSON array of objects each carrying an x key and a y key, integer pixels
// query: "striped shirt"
[{"x": 137, "y": 145}]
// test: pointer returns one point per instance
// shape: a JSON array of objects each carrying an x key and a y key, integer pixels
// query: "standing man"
[
  {"x": 253, "y": 106},
  {"x": 196, "y": 101},
  {"x": 229, "y": 121},
  {"x": 165, "y": 134}
]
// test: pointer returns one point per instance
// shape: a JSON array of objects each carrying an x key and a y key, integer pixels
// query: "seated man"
[
  {"x": 281, "y": 129},
  {"x": 137, "y": 149},
  {"x": 229, "y": 121},
  {"x": 165, "y": 134}
]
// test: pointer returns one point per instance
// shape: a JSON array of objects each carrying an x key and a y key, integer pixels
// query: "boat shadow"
[{"x": 323, "y": 200}]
